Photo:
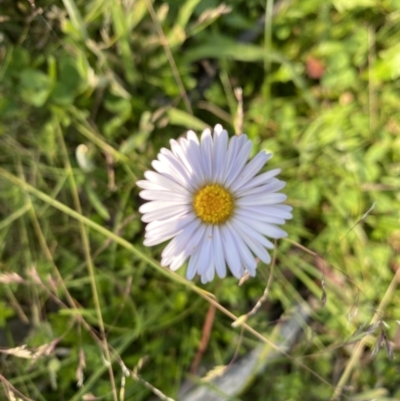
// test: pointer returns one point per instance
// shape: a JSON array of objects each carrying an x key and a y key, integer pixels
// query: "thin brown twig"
[{"x": 207, "y": 327}]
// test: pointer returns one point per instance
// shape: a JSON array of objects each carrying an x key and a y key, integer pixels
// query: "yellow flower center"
[{"x": 213, "y": 204}]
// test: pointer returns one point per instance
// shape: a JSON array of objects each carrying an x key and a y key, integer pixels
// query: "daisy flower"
[{"x": 213, "y": 203}]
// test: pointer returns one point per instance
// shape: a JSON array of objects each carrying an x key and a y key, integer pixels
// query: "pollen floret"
[{"x": 214, "y": 206}]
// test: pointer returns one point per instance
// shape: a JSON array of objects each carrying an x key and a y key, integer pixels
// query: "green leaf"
[
  {"x": 35, "y": 87},
  {"x": 68, "y": 84},
  {"x": 184, "y": 119},
  {"x": 76, "y": 18},
  {"x": 387, "y": 66},
  {"x": 221, "y": 47}
]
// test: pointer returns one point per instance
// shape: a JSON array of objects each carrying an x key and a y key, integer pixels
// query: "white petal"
[
  {"x": 178, "y": 261},
  {"x": 192, "y": 266},
  {"x": 164, "y": 214},
  {"x": 154, "y": 226},
  {"x": 191, "y": 136},
  {"x": 261, "y": 179},
  {"x": 207, "y": 153},
  {"x": 231, "y": 252},
  {"x": 220, "y": 150},
  {"x": 150, "y": 185},
  {"x": 210, "y": 273},
  {"x": 252, "y": 233},
  {"x": 193, "y": 155},
  {"x": 271, "y": 210},
  {"x": 231, "y": 153},
  {"x": 161, "y": 205},
  {"x": 189, "y": 156},
  {"x": 284, "y": 208},
  {"x": 175, "y": 168},
  {"x": 218, "y": 252},
  {"x": 160, "y": 231},
  {"x": 205, "y": 259},
  {"x": 197, "y": 257},
  {"x": 273, "y": 185},
  {"x": 178, "y": 150},
  {"x": 246, "y": 257},
  {"x": 235, "y": 145},
  {"x": 256, "y": 247},
  {"x": 218, "y": 129},
  {"x": 178, "y": 245},
  {"x": 165, "y": 182},
  {"x": 168, "y": 171},
  {"x": 263, "y": 200},
  {"x": 250, "y": 170},
  {"x": 266, "y": 229},
  {"x": 208, "y": 276},
  {"x": 239, "y": 163},
  {"x": 149, "y": 194},
  {"x": 176, "y": 147},
  {"x": 247, "y": 214},
  {"x": 194, "y": 242}
]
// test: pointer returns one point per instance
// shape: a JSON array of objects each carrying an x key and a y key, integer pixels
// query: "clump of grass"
[{"x": 81, "y": 298}]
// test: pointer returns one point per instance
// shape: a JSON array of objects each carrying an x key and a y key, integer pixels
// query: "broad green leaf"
[
  {"x": 35, "y": 87},
  {"x": 222, "y": 47},
  {"x": 184, "y": 119}
]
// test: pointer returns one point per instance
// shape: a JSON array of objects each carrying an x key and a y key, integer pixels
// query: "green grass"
[{"x": 320, "y": 88}]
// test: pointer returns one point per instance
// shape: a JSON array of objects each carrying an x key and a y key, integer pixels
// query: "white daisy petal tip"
[
  {"x": 218, "y": 128},
  {"x": 268, "y": 155},
  {"x": 204, "y": 197},
  {"x": 206, "y": 132}
]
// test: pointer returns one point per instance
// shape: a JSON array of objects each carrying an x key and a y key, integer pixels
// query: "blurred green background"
[{"x": 90, "y": 90}]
